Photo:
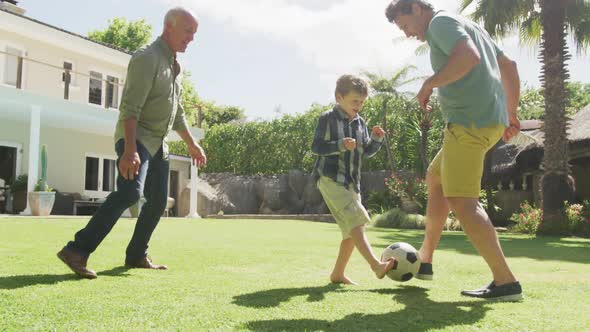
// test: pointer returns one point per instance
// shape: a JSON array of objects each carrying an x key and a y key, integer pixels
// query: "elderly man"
[
  {"x": 150, "y": 108},
  {"x": 478, "y": 89}
]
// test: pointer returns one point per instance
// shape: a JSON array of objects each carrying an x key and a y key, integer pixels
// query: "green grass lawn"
[{"x": 273, "y": 275}]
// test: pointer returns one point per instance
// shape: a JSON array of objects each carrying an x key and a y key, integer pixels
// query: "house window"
[
  {"x": 95, "y": 88},
  {"x": 91, "y": 173},
  {"x": 13, "y": 67},
  {"x": 100, "y": 176},
  {"x": 112, "y": 92},
  {"x": 108, "y": 175},
  {"x": 110, "y": 88}
]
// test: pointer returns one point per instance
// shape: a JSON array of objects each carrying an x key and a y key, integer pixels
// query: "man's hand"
[
  {"x": 423, "y": 96},
  {"x": 198, "y": 155},
  {"x": 349, "y": 143},
  {"x": 378, "y": 131},
  {"x": 129, "y": 164},
  {"x": 513, "y": 127}
]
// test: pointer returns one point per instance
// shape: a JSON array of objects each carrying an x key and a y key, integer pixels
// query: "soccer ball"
[{"x": 407, "y": 261}]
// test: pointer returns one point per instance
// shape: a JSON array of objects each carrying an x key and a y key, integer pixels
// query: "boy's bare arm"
[{"x": 374, "y": 142}]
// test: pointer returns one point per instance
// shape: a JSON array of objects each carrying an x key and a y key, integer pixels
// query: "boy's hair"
[
  {"x": 348, "y": 83},
  {"x": 404, "y": 7}
]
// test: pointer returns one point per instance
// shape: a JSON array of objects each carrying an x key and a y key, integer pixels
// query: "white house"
[{"x": 76, "y": 124}]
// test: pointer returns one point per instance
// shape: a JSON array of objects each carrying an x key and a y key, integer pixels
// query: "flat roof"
[{"x": 66, "y": 31}]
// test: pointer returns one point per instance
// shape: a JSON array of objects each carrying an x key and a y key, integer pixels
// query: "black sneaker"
[
  {"x": 425, "y": 271},
  {"x": 508, "y": 292}
]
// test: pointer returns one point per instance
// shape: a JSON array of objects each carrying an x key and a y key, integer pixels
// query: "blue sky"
[{"x": 265, "y": 55}]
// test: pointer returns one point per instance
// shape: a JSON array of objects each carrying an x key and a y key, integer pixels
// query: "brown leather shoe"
[
  {"x": 76, "y": 263},
  {"x": 145, "y": 263}
]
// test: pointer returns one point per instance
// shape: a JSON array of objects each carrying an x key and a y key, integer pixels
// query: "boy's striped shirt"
[{"x": 334, "y": 161}]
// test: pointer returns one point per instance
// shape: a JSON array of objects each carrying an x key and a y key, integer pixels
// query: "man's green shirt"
[
  {"x": 478, "y": 98},
  {"x": 152, "y": 95}
]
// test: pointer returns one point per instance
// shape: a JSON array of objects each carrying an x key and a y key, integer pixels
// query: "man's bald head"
[{"x": 180, "y": 25}]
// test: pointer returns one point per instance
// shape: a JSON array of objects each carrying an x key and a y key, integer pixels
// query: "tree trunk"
[
  {"x": 488, "y": 185},
  {"x": 424, "y": 128},
  {"x": 387, "y": 143},
  {"x": 554, "y": 54}
]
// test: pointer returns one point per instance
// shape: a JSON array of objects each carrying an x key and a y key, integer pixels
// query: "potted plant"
[
  {"x": 18, "y": 191},
  {"x": 41, "y": 200}
]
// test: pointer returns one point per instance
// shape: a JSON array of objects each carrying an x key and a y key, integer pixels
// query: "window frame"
[
  {"x": 105, "y": 74},
  {"x": 98, "y": 193},
  {"x": 23, "y": 50},
  {"x": 73, "y": 78}
]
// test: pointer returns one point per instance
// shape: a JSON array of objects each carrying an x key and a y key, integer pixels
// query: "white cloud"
[
  {"x": 333, "y": 37},
  {"x": 344, "y": 36}
]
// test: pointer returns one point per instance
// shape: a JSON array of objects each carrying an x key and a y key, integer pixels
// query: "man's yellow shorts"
[
  {"x": 344, "y": 204},
  {"x": 459, "y": 163}
]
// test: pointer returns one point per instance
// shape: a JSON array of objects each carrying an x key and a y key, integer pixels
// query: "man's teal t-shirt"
[{"x": 478, "y": 98}]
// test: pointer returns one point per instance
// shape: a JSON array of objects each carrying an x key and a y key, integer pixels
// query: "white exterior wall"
[
  {"x": 72, "y": 129},
  {"x": 66, "y": 158},
  {"x": 47, "y": 81}
]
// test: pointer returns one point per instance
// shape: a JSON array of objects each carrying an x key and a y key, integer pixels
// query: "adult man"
[
  {"x": 149, "y": 108},
  {"x": 479, "y": 90}
]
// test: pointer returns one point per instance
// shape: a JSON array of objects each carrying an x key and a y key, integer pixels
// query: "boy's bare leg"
[
  {"x": 478, "y": 227},
  {"x": 362, "y": 244},
  {"x": 337, "y": 276},
  {"x": 437, "y": 211}
]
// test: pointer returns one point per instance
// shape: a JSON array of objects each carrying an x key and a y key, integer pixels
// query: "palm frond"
[
  {"x": 578, "y": 22},
  {"x": 530, "y": 30},
  {"x": 389, "y": 85},
  {"x": 401, "y": 74},
  {"x": 464, "y": 4},
  {"x": 422, "y": 49},
  {"x": 500, "y": 17},
  {"x": 581, "y": 34}
]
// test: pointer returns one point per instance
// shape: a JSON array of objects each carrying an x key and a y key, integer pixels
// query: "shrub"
[
  {"x": 406, "y": 186},
  {"x": 379, "y": 201},
  {"x": 578, "y": 216},
  {"x": 453, "y": 224},
  {"x": 575, "y": 216},
  {"x": 396, "y": 218},
  {"x": 485, "y": 201},
  {"x": 413, "y": 221},
  {"x": 388, "y": 219},
  {"x": 528, "y": 220},
  {"x": 20, "y": 184}
]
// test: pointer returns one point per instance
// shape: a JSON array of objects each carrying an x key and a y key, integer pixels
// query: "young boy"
[{"x": 341, "y": 141}]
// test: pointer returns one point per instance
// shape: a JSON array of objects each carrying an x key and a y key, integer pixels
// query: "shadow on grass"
[
  {"x": 540, "y": 248},
  {"x": 119, "y": 271},
  {"x": 419, "y": 314},
  {"x": 274, "y": 297},
  {"x": 14, "y": 282},
  {"x": 20, "y": 281}
]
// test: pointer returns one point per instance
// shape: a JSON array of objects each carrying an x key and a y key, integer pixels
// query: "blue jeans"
[{"x": 153, "y": 182}]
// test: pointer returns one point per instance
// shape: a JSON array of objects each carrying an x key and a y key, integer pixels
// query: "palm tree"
[
  {"x": 546, "y": 22},
  {"x": 387, "y": 89}
]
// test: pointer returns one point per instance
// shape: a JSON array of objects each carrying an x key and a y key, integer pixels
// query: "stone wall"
[{"x": 291, "y": 193}]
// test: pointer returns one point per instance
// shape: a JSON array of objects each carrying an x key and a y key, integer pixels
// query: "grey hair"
[{"x": 173, "y": 14}]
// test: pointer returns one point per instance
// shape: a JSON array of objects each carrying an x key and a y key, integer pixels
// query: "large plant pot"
[{"x": 41, "y": 202}]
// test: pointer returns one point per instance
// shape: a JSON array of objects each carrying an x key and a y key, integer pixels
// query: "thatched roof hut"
[{"x": 524, "y": 154}]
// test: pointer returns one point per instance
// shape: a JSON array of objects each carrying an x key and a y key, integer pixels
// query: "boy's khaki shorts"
[
  {"x": 345, "y": 205},
  {"x": 459, "y": 163}
]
